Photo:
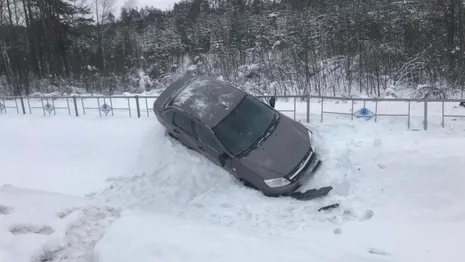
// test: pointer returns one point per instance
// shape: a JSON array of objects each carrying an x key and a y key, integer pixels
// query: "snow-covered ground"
[
  {"x": 41, "y": 226},
  {"x": 67, "y": 155},
  {"x": 117, "y": 189}
]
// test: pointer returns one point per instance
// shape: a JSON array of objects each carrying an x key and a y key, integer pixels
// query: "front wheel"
[{"x": 247, "y": 184}]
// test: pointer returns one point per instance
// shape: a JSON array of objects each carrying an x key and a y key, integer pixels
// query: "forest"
[{"x": 374, "y": 48}]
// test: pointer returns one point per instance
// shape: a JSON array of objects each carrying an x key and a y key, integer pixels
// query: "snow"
[
  {"x": 191, "y": 90},
  {"x": 169, "y": 239},
  {"x": 67, "y": 155},
  {"x": 144, "y": 80},
  {"x": 372, "y": 170},
  {"x": 201, "y": 104},
  {"x": 44, "y": 226},
  {"x": 109, "y": 189}
]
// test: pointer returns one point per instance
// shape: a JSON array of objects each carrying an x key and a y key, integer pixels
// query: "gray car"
[{"x": 256, "y": 143}]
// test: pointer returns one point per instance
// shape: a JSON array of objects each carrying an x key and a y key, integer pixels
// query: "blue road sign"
[
  {"x": 105, "y": 108},
  {"x": 48, "y": 107},
  {"x": 2, "y": 108},
  {"x": 364, "y": 113}
]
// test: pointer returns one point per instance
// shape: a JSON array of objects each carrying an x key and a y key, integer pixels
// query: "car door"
[
  {"x": 183, "y": 129},
  {"x": 206, "y": 144}
]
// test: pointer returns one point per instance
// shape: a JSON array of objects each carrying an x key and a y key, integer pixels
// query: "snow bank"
[
  {"x": 66, "y": 154},
  {"x": 180, "y": 182},
  {"x": 398, "y": 197}
]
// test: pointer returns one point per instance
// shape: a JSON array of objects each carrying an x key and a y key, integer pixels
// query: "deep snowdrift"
[
  {"x": 400, "y": 195},
  {"x": 400, "y": 192}
]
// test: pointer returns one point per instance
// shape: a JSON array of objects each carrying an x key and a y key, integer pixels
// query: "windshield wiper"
[{"x": 260, "y": 140}]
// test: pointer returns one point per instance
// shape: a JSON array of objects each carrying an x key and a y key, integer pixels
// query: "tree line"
[{"x": 331, "y": 47}]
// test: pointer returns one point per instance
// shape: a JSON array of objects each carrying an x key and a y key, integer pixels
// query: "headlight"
[{"x": 277, "y": 182}]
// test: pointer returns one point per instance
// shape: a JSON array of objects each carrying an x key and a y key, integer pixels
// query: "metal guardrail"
[
  {"x": 444, "y": 115},
  {"x": 376, "y": 114},
  {"x": 141, "y": 106},
  {"x": 4, "y": 107},
  {"x": 294, "y": 110}
]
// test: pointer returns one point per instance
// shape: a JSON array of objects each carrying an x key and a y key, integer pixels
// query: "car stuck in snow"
[{"x": 260, "y": 146}]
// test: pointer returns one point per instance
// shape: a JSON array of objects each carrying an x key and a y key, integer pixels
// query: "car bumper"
[{"x": 296, "y": 184}]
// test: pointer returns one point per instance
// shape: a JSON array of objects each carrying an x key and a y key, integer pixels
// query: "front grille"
[{"x": 310, "y": 154}]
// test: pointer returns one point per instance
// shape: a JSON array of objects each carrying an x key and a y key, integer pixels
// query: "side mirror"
[
  {"x": 272, "y": 101},
  {"x": 223, "y": 158}
]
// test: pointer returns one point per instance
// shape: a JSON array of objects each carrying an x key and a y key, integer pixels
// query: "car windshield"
[{"x": 245, "y": 125}]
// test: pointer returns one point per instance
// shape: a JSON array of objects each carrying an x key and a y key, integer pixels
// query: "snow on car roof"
[{"x": 208, "y": 99}]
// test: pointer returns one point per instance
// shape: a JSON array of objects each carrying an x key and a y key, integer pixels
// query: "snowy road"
[{"x": 400, "y": 193}]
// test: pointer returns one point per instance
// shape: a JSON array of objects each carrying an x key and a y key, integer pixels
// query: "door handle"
[
  {"x": 177, "y": 131},
  {"x": 202, "y": 148}
]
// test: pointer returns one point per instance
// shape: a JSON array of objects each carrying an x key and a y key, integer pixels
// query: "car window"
[
  {"x": 206, "y": 138},
  {"x": 169, "y": 116},
  {"x": 245, "y": 125},
  {"x": 183, "y": 122}
]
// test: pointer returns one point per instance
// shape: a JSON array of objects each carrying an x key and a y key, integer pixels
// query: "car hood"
[{"x": 281, "y": 152}]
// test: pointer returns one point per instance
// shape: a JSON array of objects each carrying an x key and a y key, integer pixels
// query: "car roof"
[{"x": 208, "y": 99}]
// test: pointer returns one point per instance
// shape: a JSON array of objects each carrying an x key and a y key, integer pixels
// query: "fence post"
[
  {"x": 75, "y": 105},
  {"x": 295, "y": 108},
  {"x": 409, "y": 113},
  {"x": 308, "y": 108},
  {"x": 442, "y": 120},
  {"x": 138, "y": 106},
  {"x": 425, "y": 114},
  {"x": 352, "y": 110},
  {"x": 22, "y": 105}
]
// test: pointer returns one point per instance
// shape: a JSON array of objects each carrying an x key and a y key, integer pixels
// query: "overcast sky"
[{"x": 160, "y": 4}]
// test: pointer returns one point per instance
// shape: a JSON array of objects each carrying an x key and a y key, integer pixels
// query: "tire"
[{"x": 172, "y": 136}]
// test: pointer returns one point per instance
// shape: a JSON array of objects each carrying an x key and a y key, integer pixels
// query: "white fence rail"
[{"x": 298, "y": 107}]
